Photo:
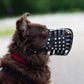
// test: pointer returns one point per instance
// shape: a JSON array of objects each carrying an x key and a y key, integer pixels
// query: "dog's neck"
[
  {"x": 17, "y": 57},
  {"x": 31, "y": 60}
]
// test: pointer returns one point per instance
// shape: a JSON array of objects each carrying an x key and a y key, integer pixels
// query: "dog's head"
[{"x": 30, "y": 35}]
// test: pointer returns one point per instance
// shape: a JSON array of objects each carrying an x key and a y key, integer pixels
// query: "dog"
[{"x": 25, "y": 61}]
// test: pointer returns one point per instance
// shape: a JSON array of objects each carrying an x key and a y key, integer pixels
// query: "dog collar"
[
  {"x": 35, "y": 51},
  {"x": 17, "y": 57}
]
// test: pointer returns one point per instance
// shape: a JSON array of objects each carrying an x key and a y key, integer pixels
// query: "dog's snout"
[{"x": 47, "y": 30}]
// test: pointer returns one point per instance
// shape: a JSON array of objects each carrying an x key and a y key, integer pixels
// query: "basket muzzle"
[{"x": 59, "y": 42}]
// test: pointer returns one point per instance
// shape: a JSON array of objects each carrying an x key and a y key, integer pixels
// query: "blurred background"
[
  {"x": 17, "y": 7},
  {"x": 54, "y": 14}
]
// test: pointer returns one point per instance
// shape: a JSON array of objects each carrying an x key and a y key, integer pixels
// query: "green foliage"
[
  {"x": 16, "y": 7},
  {"x": 6, "y": 32}
]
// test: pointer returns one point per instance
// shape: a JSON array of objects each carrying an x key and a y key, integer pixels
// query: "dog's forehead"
[{"x": 37, "y": 25}]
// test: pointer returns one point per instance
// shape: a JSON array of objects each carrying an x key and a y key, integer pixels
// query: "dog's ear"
[{"x": 22, "y": 23}]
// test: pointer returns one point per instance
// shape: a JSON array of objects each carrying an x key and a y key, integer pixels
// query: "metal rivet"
[
  {"x": 66, "y": 51},
  {"x": 35, "y": 51},
  {"x": 59, "y": 41},
  {"x": 63, "y": 45},
  {"x": 68, "y": 32},
  {"x": 55, "y": 48},
  {"x": 59, "y": 38},
  {"x": 63, "y": 37},
  {"x": 47, "y": 42},
  {"x": 59, "y": 45},
  {"x": 55, "y": 42},
  {"x": 55, "y": 45},
  {"x": 63, "y": 41},
  {"x": 55, "y": 38},
  {"x": 52, "y": 48},
  {"x": 48, "y": 39},
  {"x": 59, "y": 48}
]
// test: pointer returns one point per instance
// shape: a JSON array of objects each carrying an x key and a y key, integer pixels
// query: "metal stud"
[
  {"x": 63, "y": 37},
  {"x": 63, "y": 49},
  {"x": 49, "y": 39},
  {"x": 59, "y": 41},
  {"x": 68, "y": 32},
  {"x": 55, "y": 38},
  {"x": 52, "y": 48},
  {"x": 55, "y": 45},
  {"x": 35, "y": 51},
  {"x": 47, "y": 42},
  {"x": 59, "y": 45},
  {"x": 63, "y": 45},
  {"x": 63, "y": 41},
  {"x": 59, "y": 38},
  {"x": 66, "y": 51},
  {"x": 59, "y": 48},
  {"x": 55, "y": 42},
  {"x": 55, "y": 48}
]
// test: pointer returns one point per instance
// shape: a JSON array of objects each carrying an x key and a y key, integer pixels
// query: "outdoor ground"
[{"x": 65, "y": 69}]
